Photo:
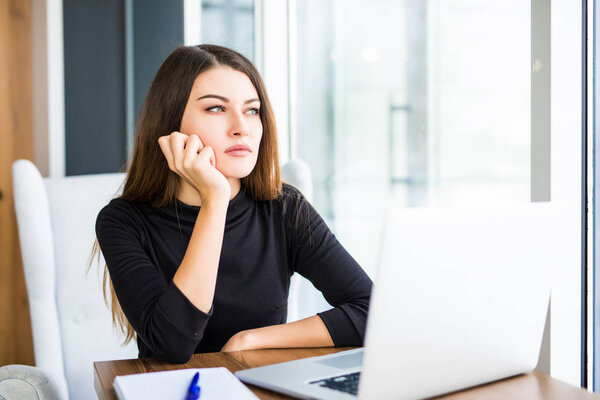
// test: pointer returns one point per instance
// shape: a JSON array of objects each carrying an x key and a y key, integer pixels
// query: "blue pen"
[{"x": 193, "y": 392}]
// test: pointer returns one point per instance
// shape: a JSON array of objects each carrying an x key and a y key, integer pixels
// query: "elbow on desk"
[
  {"x": 176, "y": 356},
  {"x": 174, "y": 350},
  {"x": 173, "y": 339}
]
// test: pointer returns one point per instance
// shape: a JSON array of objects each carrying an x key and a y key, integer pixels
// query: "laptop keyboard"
[{"x": 347, "y": 383}]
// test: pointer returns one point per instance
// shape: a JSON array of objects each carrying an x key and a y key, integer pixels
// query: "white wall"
[{"x": 48, "y": 87}]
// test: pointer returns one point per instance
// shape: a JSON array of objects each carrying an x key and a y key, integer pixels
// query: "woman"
[{"x": 201, "y": 245}]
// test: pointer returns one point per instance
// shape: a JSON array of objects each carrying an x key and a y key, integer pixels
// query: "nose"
[{"x": 239, "y": 125}]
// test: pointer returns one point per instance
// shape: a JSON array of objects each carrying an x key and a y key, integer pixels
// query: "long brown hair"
[{"x": 149, "y": 178}]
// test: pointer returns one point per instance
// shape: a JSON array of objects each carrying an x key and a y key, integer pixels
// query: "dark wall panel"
[
  {"x": 94, "y": 48},
  {"x": 96, "y": 98},
  {"x": 157, "y": 30}
]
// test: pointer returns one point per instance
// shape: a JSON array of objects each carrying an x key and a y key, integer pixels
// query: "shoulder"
[
  {"x": 294, "y": 206},
  {"x": 115, "y": 208},
  {"x": 290, "y": 197},
  {"x": 118, "y": 212},
  {"x": 290, "y": 194}
]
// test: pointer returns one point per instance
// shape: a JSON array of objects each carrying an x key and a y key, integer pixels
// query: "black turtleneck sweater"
[{"x": 264, "y": 243}]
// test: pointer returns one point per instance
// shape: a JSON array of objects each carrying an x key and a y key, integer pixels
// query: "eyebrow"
[{"x": 225, "y": 99}]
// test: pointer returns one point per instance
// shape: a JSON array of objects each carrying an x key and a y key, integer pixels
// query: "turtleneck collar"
[{"x": 185, "y": 212}]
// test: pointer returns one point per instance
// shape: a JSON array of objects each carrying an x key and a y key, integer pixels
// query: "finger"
[
  {"x": 192, "y": 148},
  {"x": 177, "y": 141},
  {"x": 183, "y": 135},
  {"x": 165, "y": 147},
  {"x": 206, "y": 157},
  {"x": 201, "y": 144}
]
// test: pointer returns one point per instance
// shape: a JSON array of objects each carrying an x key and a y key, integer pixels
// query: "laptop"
[{"x": 460, "y": 299}]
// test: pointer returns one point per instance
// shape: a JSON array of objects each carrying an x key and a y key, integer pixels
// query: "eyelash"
[{"x": 256, "y": 110}]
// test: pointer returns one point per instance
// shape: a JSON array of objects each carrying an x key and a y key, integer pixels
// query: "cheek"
[
  {"x": 258, "y": 131},
  {"x": 205, "y": 128}
]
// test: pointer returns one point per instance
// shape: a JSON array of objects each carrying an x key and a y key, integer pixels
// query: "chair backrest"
[{"x": 71, "y": 324}]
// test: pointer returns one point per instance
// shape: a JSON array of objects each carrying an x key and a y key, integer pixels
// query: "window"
[
  {"x": 229, "y": 23},
  {"x": 419, "y": 103}
]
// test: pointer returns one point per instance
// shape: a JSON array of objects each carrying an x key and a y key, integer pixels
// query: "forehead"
[{"x": 224, "y": 81}]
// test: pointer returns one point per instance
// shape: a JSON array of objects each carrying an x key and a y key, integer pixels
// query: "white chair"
[{"x": 71, "y": 324}]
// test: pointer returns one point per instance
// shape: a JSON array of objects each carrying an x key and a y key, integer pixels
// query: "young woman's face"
[{"x": 223, "y": 110}]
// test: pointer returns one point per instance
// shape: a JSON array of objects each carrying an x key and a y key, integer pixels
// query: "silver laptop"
[{"x": 460, "y": 299}]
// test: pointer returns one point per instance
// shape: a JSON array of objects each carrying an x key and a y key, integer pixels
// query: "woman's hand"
[
  {"x": 196, "y": 164},
  {"x": 240, "y": 341}
]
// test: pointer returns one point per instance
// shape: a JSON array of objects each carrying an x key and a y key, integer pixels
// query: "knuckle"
[{"x": 196, "y": 167}]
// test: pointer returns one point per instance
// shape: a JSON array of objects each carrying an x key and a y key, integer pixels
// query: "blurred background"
[{"x": 416, "y": 102}]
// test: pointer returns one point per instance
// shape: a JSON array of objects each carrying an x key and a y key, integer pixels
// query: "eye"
[
  {"x": 253, "y": 111},
  {"x": 215, "y": 109}
]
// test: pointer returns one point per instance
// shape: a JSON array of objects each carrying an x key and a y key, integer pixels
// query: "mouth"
[{"x": 239, "y": 150}]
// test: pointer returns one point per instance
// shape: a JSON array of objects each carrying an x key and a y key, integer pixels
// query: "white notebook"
[{"x": 215, "y": 383}]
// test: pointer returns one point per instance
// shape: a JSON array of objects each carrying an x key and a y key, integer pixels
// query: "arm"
[
  {"x": 308, "y": 332},
  {"x": 197, "y": 275},
  {"x": 162, "y": 316},
  {"x": 169, "y": 317},
  {"x": 315, "y": 253}
]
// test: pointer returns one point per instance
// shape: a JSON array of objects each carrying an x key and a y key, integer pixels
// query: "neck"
[{"x": 190, "y": 196}]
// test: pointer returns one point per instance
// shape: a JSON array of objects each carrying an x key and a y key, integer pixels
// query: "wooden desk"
[{"x": 533, "y": 386}]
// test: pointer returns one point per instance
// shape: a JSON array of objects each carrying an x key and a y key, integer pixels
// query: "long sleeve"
[
  {"x": 163, "y": 318},
  {"x": 315, "y": 253}
]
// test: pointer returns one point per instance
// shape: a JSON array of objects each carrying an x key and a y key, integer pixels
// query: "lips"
[
  {"x": 239, "y": 150},
  {"x": 238, "y": 147}
]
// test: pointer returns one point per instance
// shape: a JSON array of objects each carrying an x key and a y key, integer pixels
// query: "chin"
[{"x": 238, "y": 172}]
